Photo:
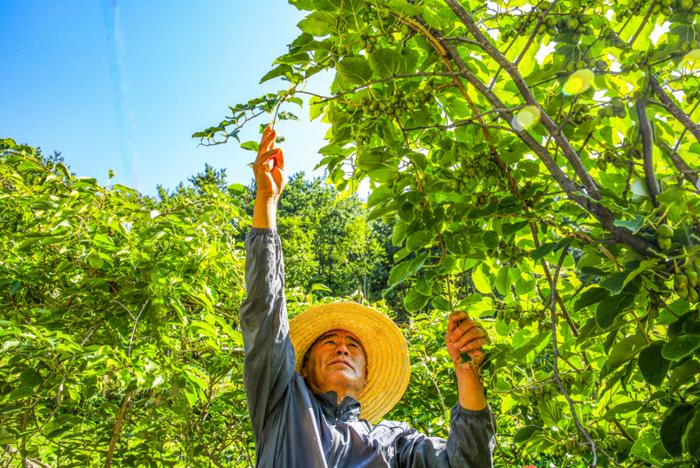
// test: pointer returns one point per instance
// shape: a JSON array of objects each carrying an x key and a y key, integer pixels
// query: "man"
[{"x": 317, "y": 385}]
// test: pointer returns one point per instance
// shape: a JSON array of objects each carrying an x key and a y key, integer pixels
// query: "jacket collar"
[{"x": 347, "y": 410}]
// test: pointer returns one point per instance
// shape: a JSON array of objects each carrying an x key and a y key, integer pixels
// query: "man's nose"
[{"x": 342, "y": 348}]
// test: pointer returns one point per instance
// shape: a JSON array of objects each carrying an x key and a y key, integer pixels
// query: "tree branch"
[
  {"x": 573, "y": 191},
  {"x": 647, "y": 150},
  {"x": 682, "y": 166},
  {"x": 116, "y": 429},
  {"x": 673, "y": 109},
  {"x": 512, "y": 70}
]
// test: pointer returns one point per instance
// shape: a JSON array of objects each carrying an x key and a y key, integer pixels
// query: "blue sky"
[{"x": 122, "y": 85}]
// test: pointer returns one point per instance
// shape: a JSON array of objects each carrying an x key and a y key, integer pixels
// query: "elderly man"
[{"x": 317, "y": 387}]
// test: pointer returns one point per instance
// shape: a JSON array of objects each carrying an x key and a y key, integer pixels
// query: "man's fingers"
[
  {"x": 279, "y": 160},
  {"x": 459, "y": 339},
  {"x": 454, "y": 319},
  {"x": 462, "y": 327},
  {"x": 267, "y": 141},
  {"x": 265, "y": 157},
  {"x": 474, "y": 345}
]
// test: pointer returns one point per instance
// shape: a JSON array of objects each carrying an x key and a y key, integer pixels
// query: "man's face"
[{"x": 336, "y": 362}]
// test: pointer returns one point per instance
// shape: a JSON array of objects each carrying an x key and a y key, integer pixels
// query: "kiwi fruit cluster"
[{"x": 393, "y": 105}]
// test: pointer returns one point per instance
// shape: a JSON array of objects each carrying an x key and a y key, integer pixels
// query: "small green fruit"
[
  {"x": 664, "y": 230},
  {"x": 665, "y": 244},
  {"x": 680, "y": 282}
]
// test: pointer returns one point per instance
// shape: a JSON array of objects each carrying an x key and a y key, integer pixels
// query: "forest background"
[{"x": 534, "y": 164}]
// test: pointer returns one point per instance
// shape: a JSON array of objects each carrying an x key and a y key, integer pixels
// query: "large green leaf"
[
  {"x": 673, "y": 427},
  {"x": 652, "y": 364},
  {"x": 354, "y": 70}
]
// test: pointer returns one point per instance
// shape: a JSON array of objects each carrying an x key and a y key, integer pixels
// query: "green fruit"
[
  {"x": 696, "y": 263},
  {"x": 664, "y": 230},
  {"x": 665, "y": 244},
  {"x": 692, "y": 278},
  {"x": 693, "y": 295},
  {"x": 686, "y": 4},
  {"x": 572, "y": 23},
  {"x": 680, "y": 282}
]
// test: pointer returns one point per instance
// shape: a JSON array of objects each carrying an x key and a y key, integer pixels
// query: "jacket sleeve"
[
  {"x": 269, "y": 355},
  {"x": 470, "y": 444}
]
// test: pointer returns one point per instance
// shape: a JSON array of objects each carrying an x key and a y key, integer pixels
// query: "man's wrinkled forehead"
[{"x": 336, "y": 333}]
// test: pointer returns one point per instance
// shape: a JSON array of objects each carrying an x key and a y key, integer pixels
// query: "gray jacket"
[{"x": 295, "y": 428}]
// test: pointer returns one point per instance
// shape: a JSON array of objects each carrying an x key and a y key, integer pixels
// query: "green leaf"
[
  {"x": 681, "y": 346},
  {"x": 691, "y": 438},
  {"x": 385, "y": 62},
  {"x": 236, "y": 189},
  {"x": 534, "y": 343},
  {"x": 318, "y": 23},
  {"x": 652, "y": 364},
  {"x": 545, "y": 249},
  {"x": 607, "y": 311},
  {"x": 354, "y": 70},
  {"x": 399, "y": 273},
  {"x": 524, "y": 434},
  {"x": 673, "y": 428},
  {"x": 481, "y": 283},
  {"x": 418, "y": 239},
  {"x": 250, "y": 145},
  {"x": 617, "y": 282},
  {"x": 625, "y": 350},
  {"x": 591, "y": 296},
  {"x": 682, "y": 373},
  {"x": 414, "y": 301},
  {"x": 280, "y": 70},
  {"x": 503, "y": 281}
]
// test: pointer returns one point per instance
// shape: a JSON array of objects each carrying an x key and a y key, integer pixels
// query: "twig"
[
  {"x": 680, "y": 163},
  {"x": 555, "y": 353},
  {"x": 641, "y": 26},
  {"x": 673, "y": 109},
  {"x": 133, "y": 330}
]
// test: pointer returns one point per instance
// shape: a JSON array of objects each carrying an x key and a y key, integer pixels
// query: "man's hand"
[
  {"x": 270, "y": 179},
  {"x": 269, "y": 167},
  {"x": 466, "y": 336}
]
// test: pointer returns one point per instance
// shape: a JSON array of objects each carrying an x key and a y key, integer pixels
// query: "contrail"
[{"x": 117, "y": 70}]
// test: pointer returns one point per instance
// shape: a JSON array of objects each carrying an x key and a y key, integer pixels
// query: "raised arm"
[
  {"x": 269, "y": 361},
  {"x": 270, "y": 180},
  {"x": 472, "y": 433}
]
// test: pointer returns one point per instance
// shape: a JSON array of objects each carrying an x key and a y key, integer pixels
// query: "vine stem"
[
  {"x": 555, "y": 353},
  {"x": 116, "y": 429}
]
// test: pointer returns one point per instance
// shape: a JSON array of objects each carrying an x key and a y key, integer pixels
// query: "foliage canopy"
[{"x": 538, "y": 162}]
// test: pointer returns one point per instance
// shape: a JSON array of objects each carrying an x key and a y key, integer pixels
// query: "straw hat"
[{"x": 388, "y": 366}]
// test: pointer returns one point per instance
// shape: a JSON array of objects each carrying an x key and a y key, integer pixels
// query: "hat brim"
[{"x": 388, "y": 365}]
